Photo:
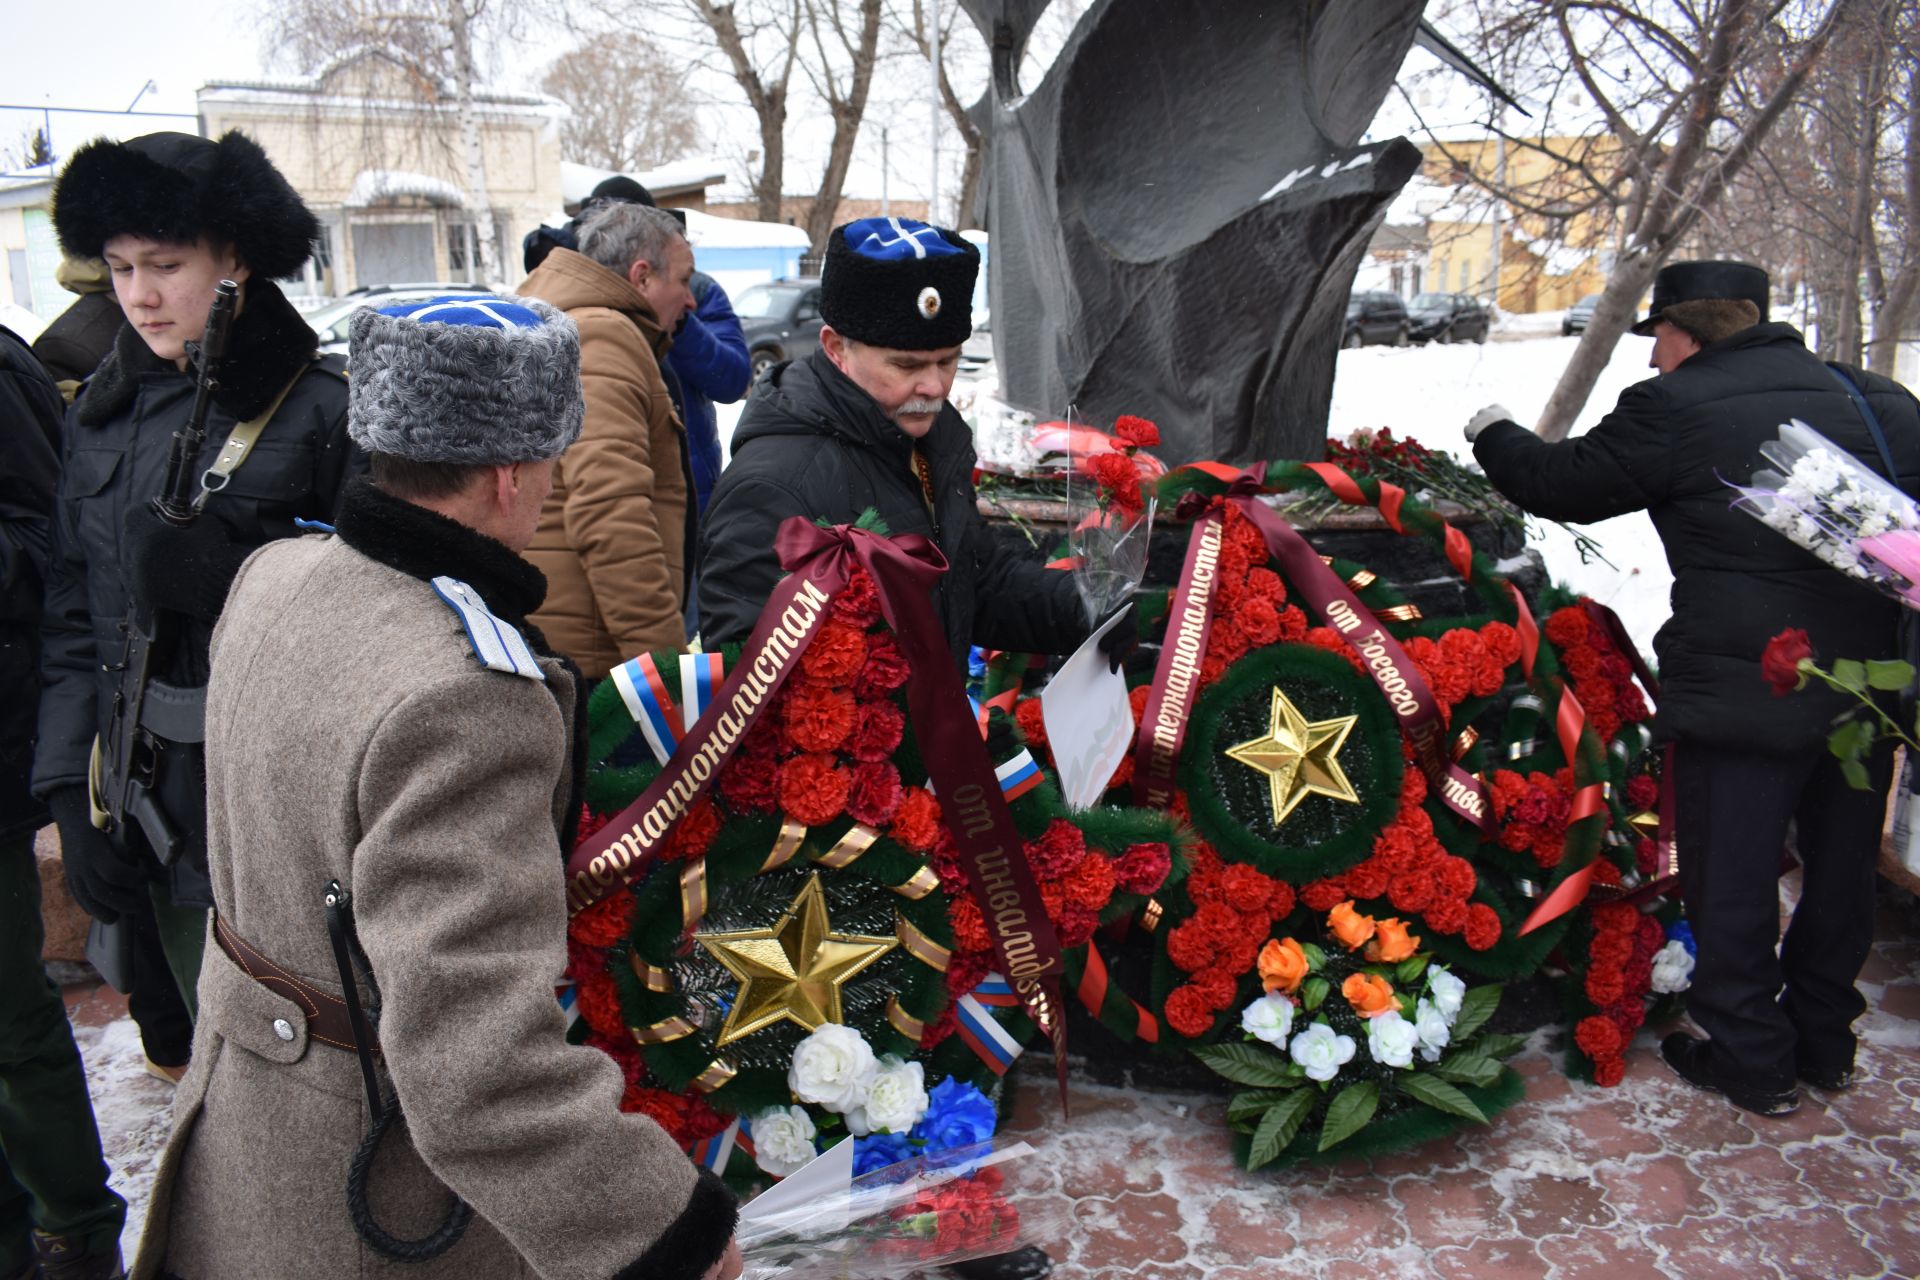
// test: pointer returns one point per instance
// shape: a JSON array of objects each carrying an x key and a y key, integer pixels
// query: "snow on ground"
[{"x": 134, "y": 1112}]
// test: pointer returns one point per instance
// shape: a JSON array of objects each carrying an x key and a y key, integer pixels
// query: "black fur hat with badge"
[
  {"x": 178, "y": 188},
  {"x": 898, "y": 283}
]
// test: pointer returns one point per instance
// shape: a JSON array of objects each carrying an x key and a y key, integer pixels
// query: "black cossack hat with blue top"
[{"x": 895, "y": 282}]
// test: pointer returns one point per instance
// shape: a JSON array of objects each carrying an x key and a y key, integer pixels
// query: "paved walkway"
[{"x": 1652, "y": 1178}]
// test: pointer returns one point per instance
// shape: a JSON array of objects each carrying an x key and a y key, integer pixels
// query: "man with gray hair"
[
  {"x": 390, "y": 789},
  {"x": 615, "y": 536}
]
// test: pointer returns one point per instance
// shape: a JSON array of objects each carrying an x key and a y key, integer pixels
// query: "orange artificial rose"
[
  {"x": 1349, "y": 926},
  {"x": 1283, "y": 965},
  {"x": 1368, "y": 993},
  {"x": 1391, "y": 943}
]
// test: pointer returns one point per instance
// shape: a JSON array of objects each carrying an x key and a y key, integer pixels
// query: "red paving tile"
[{"x": 1651, "y": 1179}]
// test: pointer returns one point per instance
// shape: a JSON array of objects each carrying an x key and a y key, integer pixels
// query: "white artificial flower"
[
  {"x": 833, "y": 1067},
  {"x": 1390, "y": 1039},
  {"x": 1321, "y": 1051},
  {"x": 1430, "y": 1025},
  {"x": 1447, "y": 992},
  {"x": 1269, "y": 1018},
  {"x": 895, "y": 1102},
  {"x": 1672, "y": 968},
  {"x": 782, "y": 1139}
]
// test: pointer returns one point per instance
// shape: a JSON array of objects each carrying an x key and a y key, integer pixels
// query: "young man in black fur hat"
[
  {"x": 172, "y": 215},
  {"x": 1746, "y": 764}
]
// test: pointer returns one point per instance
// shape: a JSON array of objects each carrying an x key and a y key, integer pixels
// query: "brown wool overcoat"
[
  {"x": 352, "y": 734},
  {"x": 612, "y": 539}
]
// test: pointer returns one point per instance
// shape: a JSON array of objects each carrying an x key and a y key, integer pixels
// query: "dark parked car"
[
  {"x": 780, "y": 320},
  {"x": 1375, "y": 316},
  {"x": 1448, "y": 317},
  {"x": 1579, "y": 316}
]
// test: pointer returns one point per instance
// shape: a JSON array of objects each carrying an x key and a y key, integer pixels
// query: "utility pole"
[{"x": 933, "y": 201}]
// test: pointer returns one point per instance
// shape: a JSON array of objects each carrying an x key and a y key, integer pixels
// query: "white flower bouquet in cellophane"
[{"x": 1822, "y": 498}]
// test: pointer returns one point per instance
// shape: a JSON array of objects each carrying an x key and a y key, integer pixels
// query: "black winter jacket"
[
  {"x": 29, "y": 468},
  {"x": 812, "y": 443},
  {"x": 1668, "y": 448},
  {"x": 118, "y": 435}
]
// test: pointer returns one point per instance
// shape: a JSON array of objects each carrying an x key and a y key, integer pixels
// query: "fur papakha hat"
[
  {"x": 895, "y": 282},
  {"x": 179, "y": 188},
  {"x": 465, "y": 378}
]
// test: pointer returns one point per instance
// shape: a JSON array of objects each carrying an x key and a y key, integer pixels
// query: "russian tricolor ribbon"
[{"x": 645, "y": 693}]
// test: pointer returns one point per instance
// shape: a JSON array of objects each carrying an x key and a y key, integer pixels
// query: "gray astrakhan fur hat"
[{"x": 466, "y": 378}]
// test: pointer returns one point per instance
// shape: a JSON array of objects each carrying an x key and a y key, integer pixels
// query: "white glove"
[{"x": 1485, "y": 418}]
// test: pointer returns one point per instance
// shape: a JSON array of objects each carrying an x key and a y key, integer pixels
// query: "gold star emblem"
[
  {"x": 792, "y": 969},
  {"x": 1298, "y": 757}
]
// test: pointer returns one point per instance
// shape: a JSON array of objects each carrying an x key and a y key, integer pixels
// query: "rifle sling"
[
  {"x": 174, "y": 713},
  {"x": 240, "y": 442}
]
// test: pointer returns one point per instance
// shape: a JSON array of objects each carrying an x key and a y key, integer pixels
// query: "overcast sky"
[{"x": 99, "y": 54}]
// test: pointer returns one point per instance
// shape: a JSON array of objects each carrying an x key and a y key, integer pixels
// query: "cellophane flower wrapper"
[
  {"x": 1109, "y": 536},
  {"x": 929, "y": 1211},
  {"x": 1822, "y": 498}
]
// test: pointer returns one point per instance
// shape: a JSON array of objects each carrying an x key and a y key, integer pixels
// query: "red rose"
[
  {"x": 1188, "y": 1011},
  {"x": 812, "y": 790},
  {"x": 1780, "y": 660},
  {"x": 1483, "y": 926},
  {"x": 1143, "y": 868},
  {"x": 818, "y": 718},
  {"x": 1135, "y": 433},
  {"x": 884, "y": 670},
  {"x": 877, "y": 731},
  {"x": 835, "y": 654},
  {"x": 916, "y": 822},
  {"x": 875, "y": 794},
  {"x": 605, "y": 922}
]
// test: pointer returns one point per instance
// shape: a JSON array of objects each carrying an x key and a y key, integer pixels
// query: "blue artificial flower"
[
  {"x": 958, "y": 1115},
  {"x": 879, "y": 1150},
  {"x": 1682, "y": 932}
]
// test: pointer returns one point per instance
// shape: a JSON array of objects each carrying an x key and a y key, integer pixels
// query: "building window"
[{"x": 1466, "y": 273}]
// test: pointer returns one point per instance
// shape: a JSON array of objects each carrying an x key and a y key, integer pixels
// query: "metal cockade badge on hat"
[{"x": 929, "y": 302}]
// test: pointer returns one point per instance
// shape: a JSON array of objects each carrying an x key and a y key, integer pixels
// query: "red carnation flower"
[
  {"x": 1597, "y": 1037},
  {"x": 1642, "y": 792},
  {"x": 1780, "y": 660},
  {"x": 1143, "y": 868},
  {"x": 875, "y": 794},
  {"x": 1609, "y": 1072},
  {"x": 1244, "y": 889},
  {"x": 1136, "y": 433},
  {"x": 1370, "y": 879},
  {"x": 751, "y": 782},
  {"x": 835, "y": 655},
  {"x": 1483, "y": 926},
  {"x": 605, "y": 922},
  {"x": 1567, "y": 626},
  {"x": 818, "y": 718},
  {"x": 1090, "y": 884},
  {"x": 1057, "y": 850},
  {"x": 1118, "y": 479},
  {"x": 813, "y": 790},
  {"x": 858, "y": 604},
  {"x": 877, "y": 730},
  {"x": 1449, "y": 916},
  {"x": 1188, "y": 1011},
  {"x": 916, "y": 821},
  {"x": 1258, "y": 620},
  {"x": 1076, "y": 925},
  {"x": 969, "y": 926},
  {"x": 967, "y": 969},
  {"x": 695, "y": 832},
  {"x": 1032, "y": 721},
  {"x": 884, "y": 670},
  {"x": 1280, "y": 901},
  {"x": 1323, "y": 895},
  {"x": 940, "y": 1028},
  {"x": 599, "y": 1003},
  {"x": 1266, "y": 584},
  {"x": 1220, "y": 987}
]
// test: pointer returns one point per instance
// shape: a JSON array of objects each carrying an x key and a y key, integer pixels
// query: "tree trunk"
[
  {"x": 1866, "y": 150},
  {"x": 767, "y": 98},
  {"x": 478, "y": 197},
  {"x": 1903, "y": 287},
  {"x": 848, "y": 112},
  {"x": 1613, "y": 315}
]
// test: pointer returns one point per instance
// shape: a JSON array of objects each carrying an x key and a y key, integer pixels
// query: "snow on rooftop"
[
  {"x": 705, "y": 231},
  {"x": 374, "y": 186},
  {"x": 577, "y": 181}
]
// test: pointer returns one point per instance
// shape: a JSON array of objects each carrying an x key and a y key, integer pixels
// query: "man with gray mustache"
[{"x": 864, "y": 424}]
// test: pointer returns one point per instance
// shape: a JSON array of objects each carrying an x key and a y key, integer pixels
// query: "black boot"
[
  {"x": 1022, "y": 1264},
  {"x": 67, "y": 1258},
  {"x": 1692, "y": 1060}
]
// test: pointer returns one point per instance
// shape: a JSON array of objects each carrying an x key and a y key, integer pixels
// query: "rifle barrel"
[{"x": 175, "y": 500}]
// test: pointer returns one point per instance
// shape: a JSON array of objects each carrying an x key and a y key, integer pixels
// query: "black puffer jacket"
[
  {"x": 812, "y": 443},
  {"x": 1667, "y": 448},
  {"x": 118, "y": 435},
  {"x": 29, "y": 467}
]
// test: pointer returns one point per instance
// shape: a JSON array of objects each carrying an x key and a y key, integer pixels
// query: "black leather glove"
[
  {"x": 183, "y": 569},
  {"x": 1120, "y": 642},
  {"x": 106, "y": 881}
]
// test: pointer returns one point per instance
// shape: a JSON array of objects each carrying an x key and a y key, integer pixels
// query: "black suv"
[
  {"x": 780, "y": 321},
  {"x": 1448, "y": 317},
  {"x": 1376, "y": 316}
]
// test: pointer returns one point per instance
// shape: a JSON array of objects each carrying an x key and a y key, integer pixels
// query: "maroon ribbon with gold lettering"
[{"x": 1176, "y": 677}]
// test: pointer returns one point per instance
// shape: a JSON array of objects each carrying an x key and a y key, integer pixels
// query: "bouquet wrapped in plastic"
[
  {"x": 1109, "y": 542},
  {"x": 1822, "y": 498},
  {"x": 928, "y": 1211}
]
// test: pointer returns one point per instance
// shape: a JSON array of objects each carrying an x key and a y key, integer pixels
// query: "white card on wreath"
[{"x": 1089, "y": 720}]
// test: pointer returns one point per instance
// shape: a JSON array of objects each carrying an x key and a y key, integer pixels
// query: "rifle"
[{"x": 147, "y": 714}]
